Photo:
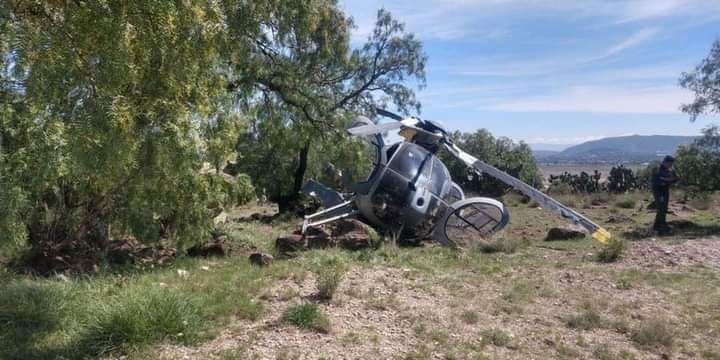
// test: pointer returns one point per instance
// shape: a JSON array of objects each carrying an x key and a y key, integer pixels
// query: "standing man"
[{"x": 661, "y": 183}]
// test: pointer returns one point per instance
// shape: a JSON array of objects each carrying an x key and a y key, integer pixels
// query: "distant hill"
[{"x": 623, "y": 149}]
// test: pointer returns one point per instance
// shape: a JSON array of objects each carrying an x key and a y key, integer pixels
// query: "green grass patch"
[
  {"x": 308, "y": 316},
  {"x": 120, "y": 313}
]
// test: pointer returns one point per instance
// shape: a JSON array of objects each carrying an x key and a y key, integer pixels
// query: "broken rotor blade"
[
  {"x": 388, "y": 114},
  {"x": 597, "y": 231},
  {"x": 365, "y": 130}
]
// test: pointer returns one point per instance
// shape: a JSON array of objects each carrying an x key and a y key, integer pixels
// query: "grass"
[
  {"x": 588, "y": 318},
  {"x": 130, "y": 312},
  {"x": 625, "y": 202},
  {"x": 470, "y": 317},
  {"x": 611, "y": 251},
  {"x": 87, "y": 317},
  {"x": 654, "y": 333},
  {"x": 328, "y": 279},
  {"x": 496, "y": 337},
  {"x": 308, "y": 316},
  {"x": 501, "y": 244}
]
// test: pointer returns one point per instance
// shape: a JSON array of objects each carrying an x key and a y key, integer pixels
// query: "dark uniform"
[{"x": 661, "y": 190}]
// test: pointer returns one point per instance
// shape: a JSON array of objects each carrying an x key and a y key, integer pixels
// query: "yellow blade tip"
[{"x": 602, "y": 235}]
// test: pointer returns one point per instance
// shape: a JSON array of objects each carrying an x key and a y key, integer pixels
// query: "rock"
[
  {"x": 353, "y": 234},
  {"x": 216, "y": 247},
  {"x": 318, "y": 238},
  {"x": 618, "y": 219},
  {"x": 290, "y": 243},
  {"x": 564, "y": 233},
  {"x": 261, "y": 259}
]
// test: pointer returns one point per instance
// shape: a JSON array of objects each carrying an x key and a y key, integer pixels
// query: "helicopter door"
[{"x": 470, "y": 221}]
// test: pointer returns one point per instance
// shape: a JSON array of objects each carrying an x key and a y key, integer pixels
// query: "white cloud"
[
  {"x": 453, "y": 19},
  {"x": 658, "y": 100},
  {"x": 633, "y": 40}
]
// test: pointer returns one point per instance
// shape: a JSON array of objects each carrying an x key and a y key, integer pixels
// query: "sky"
[{"x": 555, "y": 71}]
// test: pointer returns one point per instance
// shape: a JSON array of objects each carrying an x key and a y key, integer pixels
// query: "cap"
[{"x": 669, "y": 159}]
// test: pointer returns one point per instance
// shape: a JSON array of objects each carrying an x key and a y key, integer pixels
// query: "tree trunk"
[{"x": 289, "y": 202}]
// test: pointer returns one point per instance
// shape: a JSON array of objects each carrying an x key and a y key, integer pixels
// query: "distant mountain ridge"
[{"x": 622, "y": 149}]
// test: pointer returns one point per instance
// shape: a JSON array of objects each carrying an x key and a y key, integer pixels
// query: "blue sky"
[{"x": 555, "y": 72}]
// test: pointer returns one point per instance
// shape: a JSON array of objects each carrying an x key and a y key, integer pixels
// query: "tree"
[
  {"x": 704, "y": 82},
  {"x": 307, "y": 84},
  {"x": 514, "y": 158},
  {"x": 698, "y": 164},
  {"x": 109, "y": 111}
]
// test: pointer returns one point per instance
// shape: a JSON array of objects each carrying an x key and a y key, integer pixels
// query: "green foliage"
[
  {"x": 154, "y": 316},
  {"x": 307, "y": 315},
  {"x": 328, "y": 279},
  {"x": 698, "y": 164},
  {"x": 114, "y": 110},
  {"x": 503, "y": 153},
  {"x": 704, "y": 81},
  {"x": 120, "y": 118},
  {"x": 621, "y": 180},
  {"x": 55, "y": 318},
  {"x": 294, "y": 134}
]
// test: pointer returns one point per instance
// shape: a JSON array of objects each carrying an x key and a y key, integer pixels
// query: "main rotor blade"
[
  {"x": 365, "y": 130},
  {"x": 597, "y": 231},
  {"x": 388, "y": 114}
]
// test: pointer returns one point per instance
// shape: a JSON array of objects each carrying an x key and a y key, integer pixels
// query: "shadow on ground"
[{"x": 679, "y": 228}]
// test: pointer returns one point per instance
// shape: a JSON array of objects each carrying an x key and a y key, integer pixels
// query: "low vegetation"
[
  {"x": 653, "y": 333},
  {"x": 308, "y": 316}
]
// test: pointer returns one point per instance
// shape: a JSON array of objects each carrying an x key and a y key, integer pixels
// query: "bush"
[
  {"x": 626, "y": 202},
  {"x": 612, "y": 251},
  {"x": 588, "y": 319},
  {"x": 495, "y": 336},
  {"x": 328, "y": 279},
  {"x": 308, "y": 316},
  {"x": 501, "y": 244},
  {"x": 654, "y": 332}
]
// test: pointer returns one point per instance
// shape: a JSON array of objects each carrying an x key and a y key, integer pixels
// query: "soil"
[{"x": 386, "y": 312}]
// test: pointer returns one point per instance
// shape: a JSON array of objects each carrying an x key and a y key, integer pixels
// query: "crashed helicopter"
[{"x": 410, "y": 191}]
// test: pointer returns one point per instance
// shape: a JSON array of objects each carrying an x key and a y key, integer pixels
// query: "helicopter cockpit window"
[
  {"x": 439, "y": 177},
  {"x": 408, "y": 160}
]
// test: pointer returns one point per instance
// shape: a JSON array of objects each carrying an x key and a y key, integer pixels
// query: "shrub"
[
  {"x": 470, "y": 317},
  {"x": 612, "y": 251},
  {"x": 654, "y": 332},
  {"x": 496, "y": 336},
  {"x": 328, "y": 279},
  {"x": 308, "y": 316},
  {"x": 589, "y": 318},
  {"x": 701, "y": 201},
  {"x": 501, "y": 244},
  {"x": 625, "y": 202}
]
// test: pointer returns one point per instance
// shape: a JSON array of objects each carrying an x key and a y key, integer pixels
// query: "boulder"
[
  {"x": 318, "y": 238},
  {"x": 353, "y": 234},
  {"x": 261, "y": 259},
  {"x": 564, "y": 233},
  {"x": 218, "y": 246},
  {"x": 290, "y": 243}
]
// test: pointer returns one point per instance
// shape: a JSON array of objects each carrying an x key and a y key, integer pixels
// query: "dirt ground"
[{"x": 660, "y": 300}]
